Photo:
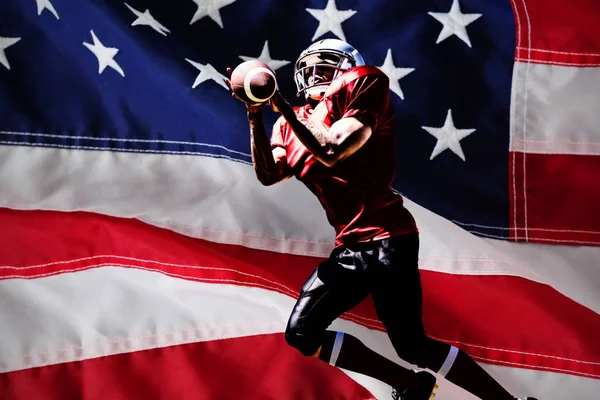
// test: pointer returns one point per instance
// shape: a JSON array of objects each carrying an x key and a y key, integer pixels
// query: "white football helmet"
[{"x": 327, "y": 53}]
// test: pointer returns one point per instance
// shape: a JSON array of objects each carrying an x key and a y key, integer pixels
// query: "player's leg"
[
  {"x": 336, "y": 286},
  {"x": 398, "y": 300}
]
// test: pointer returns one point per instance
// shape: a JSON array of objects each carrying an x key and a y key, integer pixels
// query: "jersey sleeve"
[
  {"x": 367, "y": 98},
  {"x": 277, "y": 133}
]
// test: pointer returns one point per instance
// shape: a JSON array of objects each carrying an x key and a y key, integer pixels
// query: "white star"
[
  {"x": 330, "y": 20},
  {"x": 455, "y": 23},
  {"x": 395, "y": 74},
  {"x": 207, "y": 72},
  {"x": 448, "y": 137},
  {"x": 6, "y": 42},
  {"x": 105, "y": 55},
  {"x": 46, "y": 5},
  {"x": 210, "y": 8},
  {"x": 146, "y": 18},
  {"x": 265, "y": 56}
]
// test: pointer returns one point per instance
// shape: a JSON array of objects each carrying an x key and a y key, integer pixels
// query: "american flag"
[{"x": 141, "y": 259}]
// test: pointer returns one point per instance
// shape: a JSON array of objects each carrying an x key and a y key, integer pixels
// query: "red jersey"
[{"x": 356, "y": 193}]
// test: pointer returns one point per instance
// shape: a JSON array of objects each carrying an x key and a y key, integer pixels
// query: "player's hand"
[
  {"x": 275, "y": 101},
  {"x": 278, "y": 103},
  {"x": 252, "y": 109}
]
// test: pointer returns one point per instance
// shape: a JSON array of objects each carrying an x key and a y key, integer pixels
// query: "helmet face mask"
[{"x": 321, "y": 63}]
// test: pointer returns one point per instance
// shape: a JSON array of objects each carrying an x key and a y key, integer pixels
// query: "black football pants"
[{"x": 386, "y": 269}]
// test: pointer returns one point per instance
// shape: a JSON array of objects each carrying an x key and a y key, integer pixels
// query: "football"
[{"x": 253, "y": 82}]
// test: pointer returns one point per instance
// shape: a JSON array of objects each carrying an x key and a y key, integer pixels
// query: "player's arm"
[
  {"x": 270, "y": 166},
  {"x": 328, "y": 145}
]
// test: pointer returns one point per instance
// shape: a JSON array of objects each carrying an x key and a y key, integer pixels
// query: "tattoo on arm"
[
  {"x": 317, "y": 131},
  {"x": 334, "y": 144},
  {"x": 262, "y": 155},
  {"x": 313, "y": 136}
]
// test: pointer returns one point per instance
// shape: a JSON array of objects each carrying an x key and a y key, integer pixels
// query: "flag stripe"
[
  {"x": 112, "y": 310},
  {"x": 556, "y": 109},
  {"x": 567, "y": 200}
]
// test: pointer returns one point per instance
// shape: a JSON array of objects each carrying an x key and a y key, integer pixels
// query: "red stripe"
[
  {"x": 558, "y": 31},
  {"x": 257, "y": 367},
  {"x": 482, "y": 313},
  {"x": 557, "y": 198}
]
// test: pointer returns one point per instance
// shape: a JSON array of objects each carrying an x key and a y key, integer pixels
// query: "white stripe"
[
  {"x": 448, "y": 362},
  {"x": 77, "y": 313},
  {"x": 222, "y": 201},
  {"x": 562, "y": 109},
  {"x": 525, "y": 125},
  {"x": 448, "y": 248},
  {"x": 112, "y": 310},
  {"x": 513, "y": 107},
  {"x": 203, "y": 197},
  {"x": 545, "y": 385}
]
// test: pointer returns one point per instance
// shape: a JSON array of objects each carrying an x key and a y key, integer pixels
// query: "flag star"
[
  {"x": 455, "y": 23},
  {"x": 46, "y": 5},
  {"x": 394, "y": 73},
  {"x": 6, "y": 42},
  {"x": 105, "y": 55},
  {"x": 265, "y": 56},
  {"x": 146, "y": 18},
  {"x": 207, "y": 72},
  {"x": 210, "y": 8},
  {"x": 448, "y": 137},
  {"x": 330, "y": 19}
]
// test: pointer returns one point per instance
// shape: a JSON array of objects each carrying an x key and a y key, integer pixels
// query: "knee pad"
[{"x": 305, "y": 344}]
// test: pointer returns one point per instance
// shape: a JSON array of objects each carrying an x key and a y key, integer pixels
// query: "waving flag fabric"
[{"x": 140, "y": 257}]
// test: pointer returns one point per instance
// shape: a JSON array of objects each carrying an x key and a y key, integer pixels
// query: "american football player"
[{"x": 341, "y": 145}]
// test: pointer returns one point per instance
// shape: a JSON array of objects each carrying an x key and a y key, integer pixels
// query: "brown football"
[{"x": 253, "y": 81}]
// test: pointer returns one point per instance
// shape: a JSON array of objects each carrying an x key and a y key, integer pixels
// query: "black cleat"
[{"x": 421, "y": 388}]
